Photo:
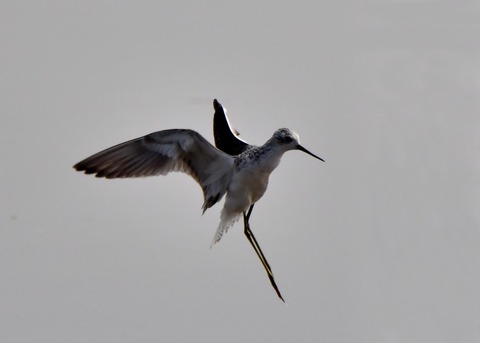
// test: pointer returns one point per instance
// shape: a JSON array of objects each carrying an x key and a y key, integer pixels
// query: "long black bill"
[{"x": 301, "y": 148}]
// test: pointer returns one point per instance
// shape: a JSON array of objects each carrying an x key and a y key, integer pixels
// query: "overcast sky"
[{"x": 379, "y": 244}]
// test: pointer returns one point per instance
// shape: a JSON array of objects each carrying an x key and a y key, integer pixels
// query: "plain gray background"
[{"x": 379, "y": 244}]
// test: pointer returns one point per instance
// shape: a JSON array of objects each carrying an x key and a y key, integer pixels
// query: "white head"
[{"x": 289, "y": 140}]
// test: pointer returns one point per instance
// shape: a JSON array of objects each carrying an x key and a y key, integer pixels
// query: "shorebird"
[{"x": 241, "y": 173}]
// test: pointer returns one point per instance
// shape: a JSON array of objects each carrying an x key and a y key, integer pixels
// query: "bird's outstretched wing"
[
  {"x": 226, "y": 137},
  {"x": 162, "y": 152}
]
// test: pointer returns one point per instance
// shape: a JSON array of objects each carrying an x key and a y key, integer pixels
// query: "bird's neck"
[{"x": 271, "y": 156}]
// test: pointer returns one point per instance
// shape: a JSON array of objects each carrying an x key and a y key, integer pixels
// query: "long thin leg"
[
  {"x": 250, "y": 209},
  {"x": 256, "y": 247},
  {"x": 253, "y": 241}
]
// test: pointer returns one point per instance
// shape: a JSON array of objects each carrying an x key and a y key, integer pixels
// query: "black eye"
[{"x": 288, "y": 139}]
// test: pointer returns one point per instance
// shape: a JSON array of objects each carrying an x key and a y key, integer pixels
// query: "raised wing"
[
  {"x": 176, "y": 150},
  {"x": 225, "y": 136}
]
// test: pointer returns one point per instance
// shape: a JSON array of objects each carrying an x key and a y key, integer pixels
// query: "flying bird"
[{"x": 240, "y": 172}]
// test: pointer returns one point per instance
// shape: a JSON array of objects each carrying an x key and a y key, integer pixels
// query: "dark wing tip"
[
  {"x": 83, "y": 167},
  {"x": 100, "y": 173},
  {"x": 217, "y": 106},
  {"x": 79, "y": 167}
]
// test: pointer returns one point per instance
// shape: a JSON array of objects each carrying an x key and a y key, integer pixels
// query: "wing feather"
[
  {"x": 162, "y": 152},
  {"x": 225, "y": 136}
]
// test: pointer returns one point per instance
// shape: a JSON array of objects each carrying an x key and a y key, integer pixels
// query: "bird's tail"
[{"x": 227, "y": 220}]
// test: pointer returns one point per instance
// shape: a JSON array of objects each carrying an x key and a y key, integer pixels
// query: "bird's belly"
[
  {"x": 257, "y": 188},
  {"x": 247, "y": 188}
]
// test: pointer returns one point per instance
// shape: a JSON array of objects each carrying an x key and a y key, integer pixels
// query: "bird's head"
[{"x": 290, "y": 140}]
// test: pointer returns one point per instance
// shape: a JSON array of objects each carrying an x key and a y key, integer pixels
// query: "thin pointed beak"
[{"x": 301, "y": 148}]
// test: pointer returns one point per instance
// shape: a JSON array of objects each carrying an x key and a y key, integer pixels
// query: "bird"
[
  {"x": 240, "y": 174},
  {"x": 226, "y": 139}
]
